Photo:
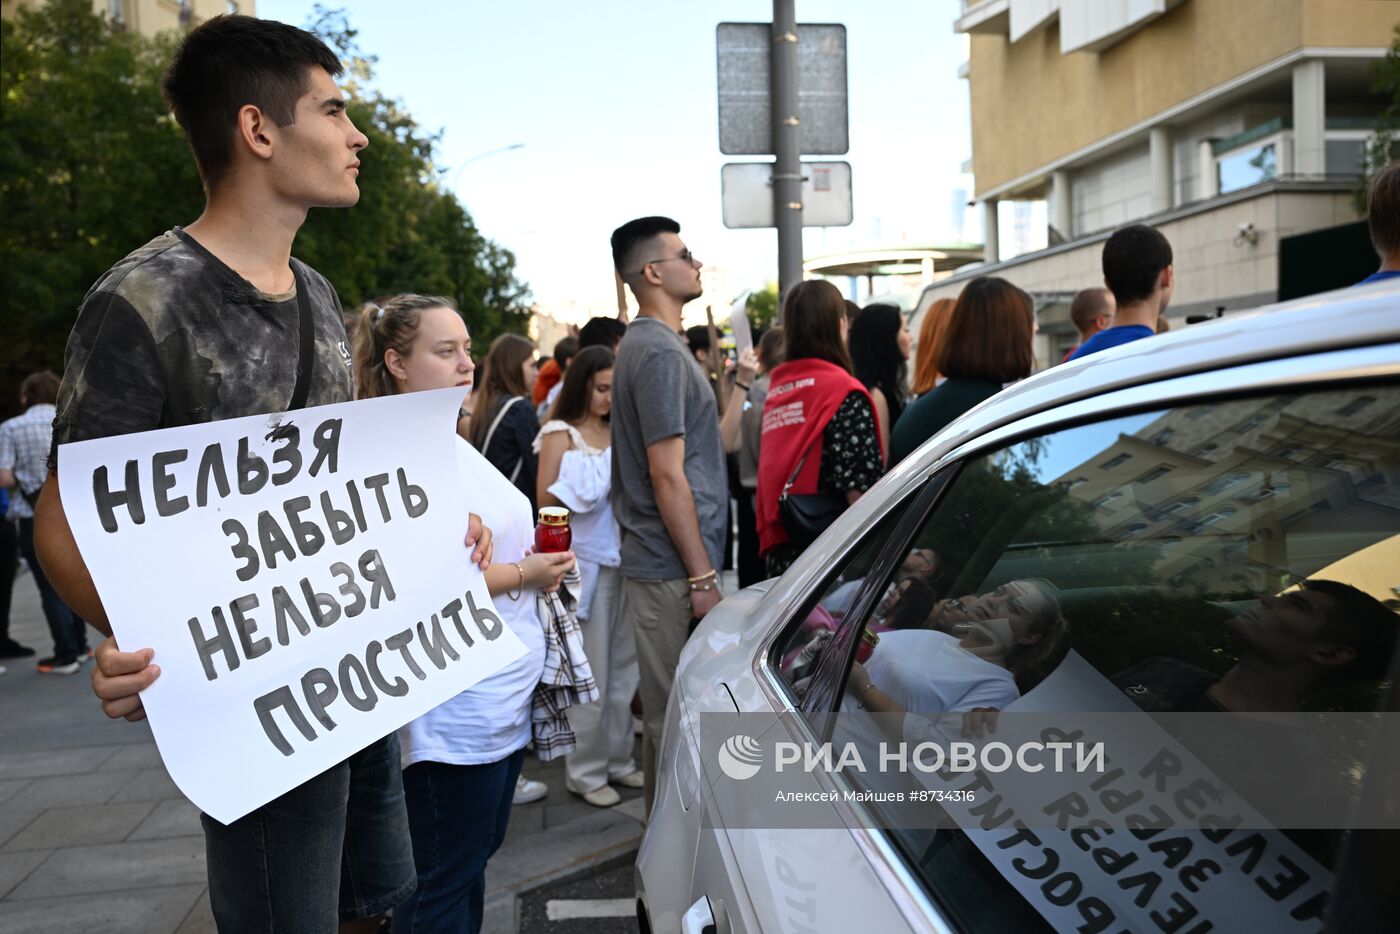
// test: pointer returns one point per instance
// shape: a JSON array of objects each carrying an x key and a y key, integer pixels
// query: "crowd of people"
[{"x": 672, "y": 464}]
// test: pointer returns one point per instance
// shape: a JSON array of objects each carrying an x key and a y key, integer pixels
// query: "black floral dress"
[{"x": 851, "y": 460}]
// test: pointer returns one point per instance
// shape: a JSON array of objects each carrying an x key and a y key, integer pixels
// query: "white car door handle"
[{"x": 698, "y": 919}]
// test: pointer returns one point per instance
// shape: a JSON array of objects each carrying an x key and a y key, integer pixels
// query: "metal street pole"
[{"x": 787, "y": 149}]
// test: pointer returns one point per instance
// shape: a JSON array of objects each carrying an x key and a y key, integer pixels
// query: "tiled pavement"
[{"x": 94, "y": 837}]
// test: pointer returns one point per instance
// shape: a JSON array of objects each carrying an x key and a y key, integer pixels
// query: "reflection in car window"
[{"x": 1242, "y": 556}]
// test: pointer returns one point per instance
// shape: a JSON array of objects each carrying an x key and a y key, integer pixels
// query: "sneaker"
[
  {"x": 528, "y": 791},
  {"x": 633, "y": 779},
  {"x": 604, "y": 797},
  {"x": 9, "y": 648},
  {"x": 59, "y": 666}
]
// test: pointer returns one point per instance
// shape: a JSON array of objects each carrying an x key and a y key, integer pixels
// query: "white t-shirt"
[
  {"x": 926, "y": 671},
  {"x": 491, "y": 719}
]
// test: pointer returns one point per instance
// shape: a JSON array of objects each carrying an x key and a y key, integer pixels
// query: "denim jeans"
[
  {"x": 334, "y": 848},
  {"x": 458, "y": 815},
  {"x": 67, "y": 628}
]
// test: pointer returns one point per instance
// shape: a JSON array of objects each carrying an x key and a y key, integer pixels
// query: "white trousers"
[{"x": 604, "y": 727}]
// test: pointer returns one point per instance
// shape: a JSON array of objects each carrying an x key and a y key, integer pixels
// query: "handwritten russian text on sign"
[{"x": 301, "y": 577}]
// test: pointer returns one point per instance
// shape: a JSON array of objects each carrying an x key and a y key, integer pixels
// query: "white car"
[{"x": 1203, "y": 521}]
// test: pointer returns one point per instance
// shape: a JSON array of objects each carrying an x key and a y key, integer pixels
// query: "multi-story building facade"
[
  {"x": 1229, "y": 126},
  {"x": 149, "y": 17}
]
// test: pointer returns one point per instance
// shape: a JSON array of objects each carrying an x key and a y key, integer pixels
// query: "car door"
[{"x": 1228, "y": 558}]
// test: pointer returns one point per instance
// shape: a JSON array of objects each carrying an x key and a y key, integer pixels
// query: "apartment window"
[
  {"x": 232, "y": 8},
  {"x": 1117, "y": 460},
  {"x": 1104, "y": 501},
  {"x": 1163, "y": 436},
  {"x": 1256, "y": 155},
  {"x": 1156, "y": 473},
  {"x": 1356, "y": 405},
  {"x": 1225, "y": 481},
  {"x": 116, "y": 11},
  {"x": 1182, "y": 505}
]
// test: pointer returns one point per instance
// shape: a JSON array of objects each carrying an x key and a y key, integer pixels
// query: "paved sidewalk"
[{"x": 94, "y": 837}]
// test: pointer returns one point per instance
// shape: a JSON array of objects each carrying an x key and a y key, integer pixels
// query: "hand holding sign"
[{"x": 300, "y": 578}]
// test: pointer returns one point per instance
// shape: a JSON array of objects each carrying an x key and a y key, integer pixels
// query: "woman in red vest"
[{"x": 819, "y": 424}]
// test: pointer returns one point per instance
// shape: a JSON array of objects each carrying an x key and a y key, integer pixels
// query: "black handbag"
[{"x": 806, "y": 515}]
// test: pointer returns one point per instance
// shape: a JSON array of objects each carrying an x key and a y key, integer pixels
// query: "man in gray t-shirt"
[{"x": 669, "y": 486}]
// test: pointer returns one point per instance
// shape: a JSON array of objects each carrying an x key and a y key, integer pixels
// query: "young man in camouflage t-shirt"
[{"x": 200, "y": 324}]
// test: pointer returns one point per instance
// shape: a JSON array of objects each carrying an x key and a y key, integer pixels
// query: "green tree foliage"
[
  {"x": 762, "y": 306},
  {"x": 92, "y": 165},
  {"x": 1385, "y": 80}
]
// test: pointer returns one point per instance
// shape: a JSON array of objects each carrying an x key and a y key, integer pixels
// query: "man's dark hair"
[
  {"x": 1133, "y": 258},
  {"x": 39, "y": 388},
  {"x": 564, "y": 351},
  {"x": 232, "y": 61},
  {"x": 1383, "y": 210},
  {"x": 633, "y": 234},
  {"x": 601, "y": 332},
  {"x": 1360, "y": 621},
  {"x": 698, "y": 337},
  {"x": 1087, "y": 306}
]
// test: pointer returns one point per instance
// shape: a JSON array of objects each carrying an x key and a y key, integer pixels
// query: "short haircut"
[
  {"x": 564, "y": 351},
  {"x": 1133, "y": 258},
  {"x": 812, "y": 324},
  {"x": 990, "y": 334},
  {"x": 1361, "y": 622},
  {"x": 601, "y": 332},
  {"x": 852, "y": 312},
  {"x": 39, "y": 388},
  {"x": 1383, "y": 210},
  {"x": 698, "y": 337},
  {"x": 770, "y": 348},
  {"x": 627, "y": 239},
  {"x": 229, "y": 62},
  {"x": 1088, "y": 306}
]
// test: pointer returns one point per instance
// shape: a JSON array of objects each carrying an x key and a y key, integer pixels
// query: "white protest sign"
[
  {"x": 1185, "y": 854},
  {"x": 301, "y": 577},
  {"x": 739, "y": 324}
]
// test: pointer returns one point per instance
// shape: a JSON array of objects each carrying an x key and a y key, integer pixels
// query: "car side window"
[
  {"x": 1237, "y": 557},
  {"x": 798, "y": 652}
]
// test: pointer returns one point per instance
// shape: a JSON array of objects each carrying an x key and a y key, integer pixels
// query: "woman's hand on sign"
[
  {"x": 119, "y": 677},
  {"x": 545, "y": 570},
  {"x": 480, "y": 536}
]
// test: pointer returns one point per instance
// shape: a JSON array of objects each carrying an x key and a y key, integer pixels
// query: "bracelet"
[
  {"x": 520, "y": 586},
  {"x": 703, "y": 577},
  {"x": 860, "y": 697},
  {"x": 744, "y": 386},
  {"x": 699, "y": 588}
]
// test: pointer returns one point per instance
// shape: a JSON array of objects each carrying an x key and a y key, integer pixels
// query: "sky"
[{"x": 615, "y": 103}]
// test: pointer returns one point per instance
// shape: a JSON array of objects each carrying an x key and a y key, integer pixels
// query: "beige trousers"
[{"x": 660, "y": 615}]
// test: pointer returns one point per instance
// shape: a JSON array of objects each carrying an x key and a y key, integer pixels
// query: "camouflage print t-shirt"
[{"x": 171, "y": 336}]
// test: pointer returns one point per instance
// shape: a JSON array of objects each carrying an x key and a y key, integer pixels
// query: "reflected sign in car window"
[{"x": 1235, "y": 558}]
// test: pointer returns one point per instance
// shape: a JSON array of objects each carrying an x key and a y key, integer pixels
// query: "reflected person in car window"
[
  {"x": 1322, "y": 635},
  {"x": 991, "y": 658}
]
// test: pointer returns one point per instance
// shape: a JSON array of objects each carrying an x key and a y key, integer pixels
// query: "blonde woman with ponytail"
[{"x": 461, "y": 761}]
